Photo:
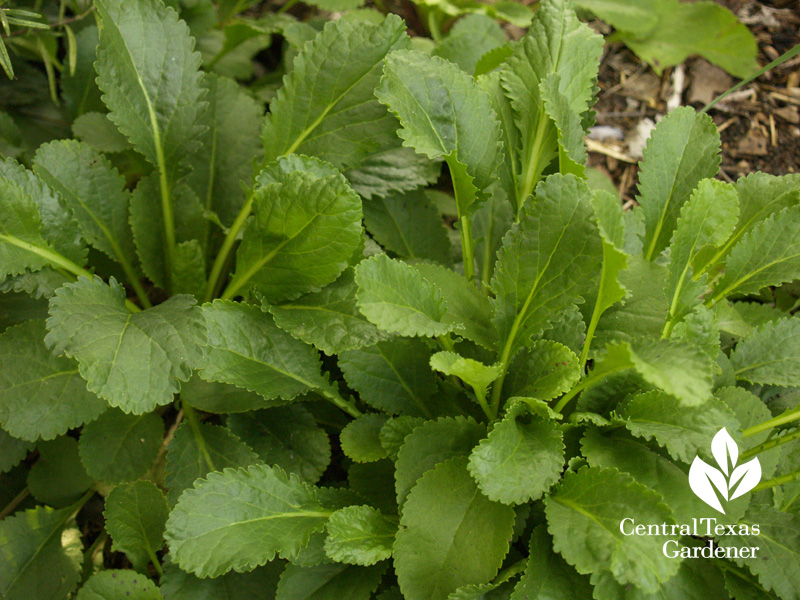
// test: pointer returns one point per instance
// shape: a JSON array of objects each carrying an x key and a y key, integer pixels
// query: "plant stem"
[
  {"x": 97, "y": 546},
  {"x": 14, "y": 503},
  {"x": 227, "y": 246},
  {"x": 332, "y": 395},
  {"x": 772, "y": 443},
  {"x": 787, "y": 417},
  {"x": 194, "y": 425},
  {"x": 154, "y": 559},
  {"x": 60, "y": 261},
  {"x": 588, "y": 381},
  {"x": 481, "y": 396},
  {"x": 287, "y": 6},
  {"x": 532, "y": 168},
  {"x": 777, "y": 481}
]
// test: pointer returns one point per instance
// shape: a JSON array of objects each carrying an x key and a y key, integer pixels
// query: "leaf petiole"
[
  {"x": 771, "y": 443},
  {"x": 787, "y": 417}
]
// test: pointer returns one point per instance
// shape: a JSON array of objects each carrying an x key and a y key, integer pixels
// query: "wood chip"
[
  {"x": 791, "y": 114},
  {"x": 754, "y": 143},
  {"x": 607, "y": 150},
  {"x": 708, "y": 81}
]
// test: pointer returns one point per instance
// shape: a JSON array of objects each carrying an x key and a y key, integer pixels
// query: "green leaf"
[
  {"x": 584, "y": 515},
  {"x": 326, "y": 107},
  {"x": 97, "y": 131},
  {"x": 304, "y": 230},
  {"x": 43, "y": 395},
  {"x": 544, "y": 370},
  {"x": 394, "y": 171},
  {"x": 193, "y": 454},
  {"x": 113, "y": 584},
  {"x": 770, "y": 355},
  {"x": 12, "y": 450},
  {"x": 41, "y": 550},
  {"x": 611, "y": 224},
  {"x": 450, "y": 534},
  {"x": 360, "y": 439},
  {"x": 409, "y": 226},
  {"x": 329, "y": 319},
  {"x": 547, "y": 576},
  {"x": 682, "y": 150},
  {"x": 668, "y": 31},
  {"x": 79, "y": 89},
  {"x": 466, "y": 307},
  {"x": 95, "y": 193},
  {"x": 681, "y": 370},
  {"x": 556, "y": 43},
  {"x": 120, "y": 447},
  {"x": 444, "y": 114},
  {"x": 706, "y": 221},
  {"x": 246, "y": 515},
  {"x": 246, "y": 349},
  {"x": 134, "y": 361},
  {"x": 147, "y": 224},
  {"x": 135, "y": 514},
  {"x": 695, "y": 580},
  {"x": 394, "y": 432},
  {"x": 392, "y": 376},
  {"x": 359, "y": 535},
  {"x": 644, "y": 310},
  {"x": 432, "y": 443},
  {"x": 521, "y": 459},
  {"x": 547, "y": 260},
  {"x": 396, "y": 298},
  {"x": 769, "y": 254},
  {"x": 58, "y": 477},
  {"x": 259, "y": 583},
  {"x": 17, "y": 307},
  {"x": 329, "y": 582},
  {"x": 685, "y": 431},
  {"x": 216, "y": 397},
  {"x": 21, "y": 242},
  {"x": 228, "y": 146},
  {"x": 571, "y": 148},
  {"x": 472, "y": 372},
  {"x": 469, "y": 39},
  {"x": 54, "y": 223},
  {"x": 287, "y": 437},
  {"x": 618, "y": 450},
  {"x": 761, "y": 195},
  {"x": 777, "y": 562},
  {"x": 150, "y": 79}
]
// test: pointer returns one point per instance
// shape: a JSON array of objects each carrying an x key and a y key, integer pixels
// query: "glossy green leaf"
[
  {"x": 326, "y": 107},
  {"x": 58, "y": 477},
  {"x": 544, "y": 370},
  {"x": 522, "y": 457},
  {"x": 329, "y": 582},
  {"x": 43, "y": 395},
  {"x": 432, "y": 443},
  {"x": 359, "y": 535},
  {"x": 770, "y": 354},
  {"x": 360, "y": 439},
  {"x": 155, "y": 102},
  {"x": 41, "y": 550},
  {"x": 135, "y": 514},
  {"x": 329, "y": 319},
  {"x": 684, "y": 431},
  {"x": 682, "y": 150},
  {"x": 450, "y": 534},
  {"x": 253, "y": 585},
  {"x": 584, "y": 514},
  {"x": 270, "y": 362},
  {"x": 392, "y": 376},
  {"x": 408, "y": 226},
  {"x": 285, "y": 436},
  {"x": 304, "y": 230},
  {"x": 112, "y": 584},
  {"x": 120, "y": 447},
  {"x": 248, "y": 515},
  {"x": 134, "y": 361}
]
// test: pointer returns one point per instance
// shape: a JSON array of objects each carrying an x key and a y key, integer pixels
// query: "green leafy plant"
[{"x": 292, "y": 369}]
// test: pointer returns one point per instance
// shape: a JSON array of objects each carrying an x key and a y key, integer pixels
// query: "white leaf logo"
[{"x": 706, "y": 480}]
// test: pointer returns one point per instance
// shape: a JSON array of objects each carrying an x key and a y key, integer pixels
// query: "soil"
[{"x": 759, "y": 125}]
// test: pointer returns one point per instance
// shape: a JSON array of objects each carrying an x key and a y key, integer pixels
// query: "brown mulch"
[{"x": 759, "y": 125}]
